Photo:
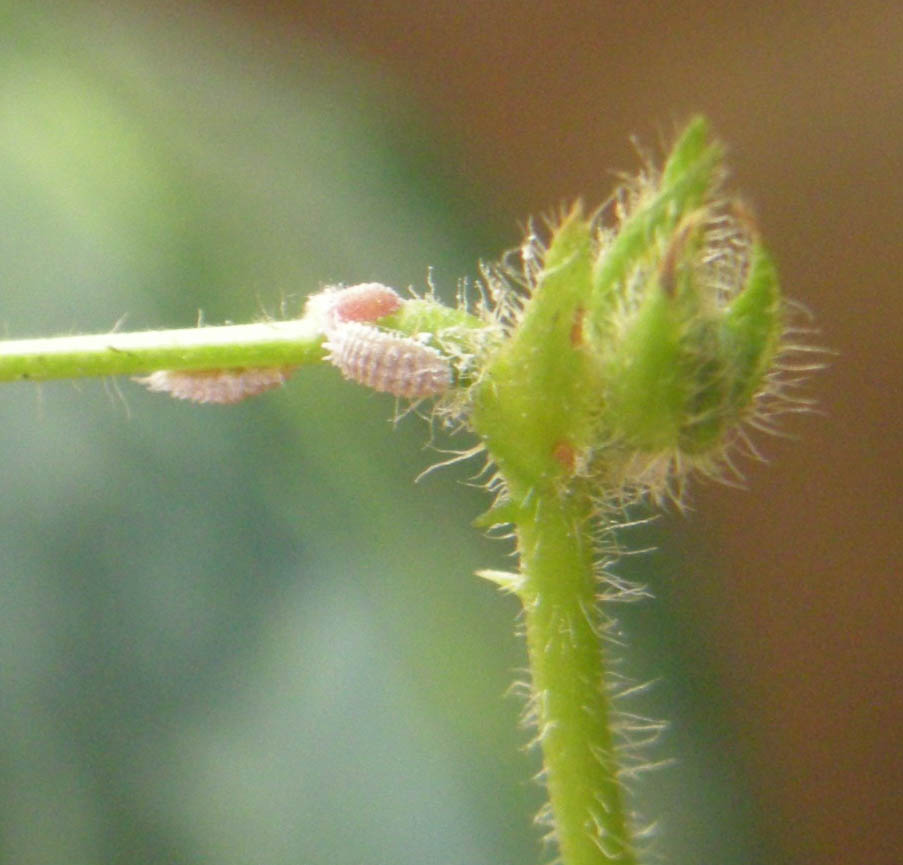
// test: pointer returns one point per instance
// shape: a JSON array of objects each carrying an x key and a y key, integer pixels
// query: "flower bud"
[{"x": 641, "y": 347}]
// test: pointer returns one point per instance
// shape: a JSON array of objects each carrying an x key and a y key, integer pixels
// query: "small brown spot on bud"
[
  {"x": 564, "y": 454},
  {"x": 668, "y": 270},
  {"x": 577, "y": 327}
]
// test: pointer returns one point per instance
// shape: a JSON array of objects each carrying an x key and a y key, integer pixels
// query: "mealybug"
[
  {"x": 385, "y": 362},
  {"x": 369, "y": 301},
  {"x": 223, "y": 386}
]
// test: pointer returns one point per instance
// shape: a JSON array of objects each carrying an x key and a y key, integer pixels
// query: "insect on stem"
[{"x": 388, "y": 363}]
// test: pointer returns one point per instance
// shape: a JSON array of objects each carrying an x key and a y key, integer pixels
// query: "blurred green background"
[{"x": 235, "y": 635}]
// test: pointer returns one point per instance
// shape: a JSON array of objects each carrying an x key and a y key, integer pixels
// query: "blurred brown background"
[{"x": 538, "y": 101}]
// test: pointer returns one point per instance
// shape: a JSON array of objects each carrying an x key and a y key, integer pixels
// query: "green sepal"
[
  {"x": 539, "y": 390},
  {"x": 667, "y": 376},
  {"x": 690, "y": 152},
  {"x": 646, "y": 391},
  {"x": 751, "y": 329},
  {"x": 689, "y": 176},
  {"x": 499, "y": 514},
  {"x": 703, "y": 421}
]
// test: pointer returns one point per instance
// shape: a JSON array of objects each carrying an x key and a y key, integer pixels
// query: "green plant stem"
[
  {"x": 264, "y": 344},
  {"x": 564, "y": 640}
]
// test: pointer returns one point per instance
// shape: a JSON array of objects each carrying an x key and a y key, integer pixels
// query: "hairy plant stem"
[
  {"x": 571, "y": 704},
  {"x": 265, "y": 344}
]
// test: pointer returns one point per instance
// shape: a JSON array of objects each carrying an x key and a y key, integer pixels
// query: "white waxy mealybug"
[
  {"x": 385, "y": 362},
  {"x": 367, "y": 302},
  {"x": 223, "y": 386}
]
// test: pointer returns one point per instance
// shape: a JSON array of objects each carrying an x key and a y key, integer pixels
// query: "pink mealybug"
[
  {"x": 367, "y": 302},
  {"x": 385, "y": 362},
  {"x": 221, "y": 386}
]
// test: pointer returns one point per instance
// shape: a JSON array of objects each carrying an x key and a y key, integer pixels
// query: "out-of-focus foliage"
[{"x": 242, "y": 635}]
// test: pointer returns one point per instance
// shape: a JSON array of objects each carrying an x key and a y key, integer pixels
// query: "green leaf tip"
[
  {"x": 507, "y": 581},
  {"x": 753, "y": 326}
]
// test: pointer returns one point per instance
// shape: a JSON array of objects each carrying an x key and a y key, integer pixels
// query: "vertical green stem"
[{"x": 563, "y": 624}]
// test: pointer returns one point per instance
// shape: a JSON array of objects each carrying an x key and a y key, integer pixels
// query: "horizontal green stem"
[{"x": 264, "y": 344}]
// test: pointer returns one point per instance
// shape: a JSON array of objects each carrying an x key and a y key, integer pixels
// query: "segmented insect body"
[
  {"x": 385, "y": 362},
  {"x": 222, "y": 386}
]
